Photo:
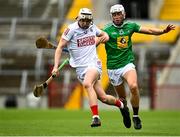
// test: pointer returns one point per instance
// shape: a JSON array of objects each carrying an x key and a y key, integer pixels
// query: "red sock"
[
  {"x": 118, "y": 103},
  {"x": 94, "y": 110}
]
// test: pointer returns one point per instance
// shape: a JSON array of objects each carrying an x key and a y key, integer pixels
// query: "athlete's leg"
[
  {"x": 88, "y": 82},
  {"x": 107, "y": 99},
  {"x": 131, "y": 78},
  {"x": 120, "y": 90},
  {"x": 117, "y": 81}
]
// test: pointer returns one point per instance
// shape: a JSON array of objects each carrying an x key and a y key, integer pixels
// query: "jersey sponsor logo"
[
  {"x": 86, "y": 41},
  {"x": 122, "y": 42}
]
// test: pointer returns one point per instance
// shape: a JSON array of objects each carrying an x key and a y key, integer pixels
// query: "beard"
[{"x": 84, "y": 27}]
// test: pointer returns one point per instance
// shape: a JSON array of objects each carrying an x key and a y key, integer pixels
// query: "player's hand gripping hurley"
[{"x": 38, "y": 89}]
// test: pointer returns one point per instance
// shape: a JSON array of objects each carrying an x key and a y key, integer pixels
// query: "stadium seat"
[{"x": 170, "y": 10}]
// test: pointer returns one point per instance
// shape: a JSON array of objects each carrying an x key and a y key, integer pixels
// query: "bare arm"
[
  {"x": 57, "y": 56},
  {"x": 102, "y": 38},
  {"x": 156, "y": 31}
]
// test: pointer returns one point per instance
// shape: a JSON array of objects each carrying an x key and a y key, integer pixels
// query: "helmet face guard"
[
  {"x": 85, "y": 16},
  {"x": 117, "y": 14},
  {"x": 85, "y": 13}
]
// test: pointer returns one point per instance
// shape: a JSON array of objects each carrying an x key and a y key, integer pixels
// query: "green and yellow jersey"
[{"x": 119, "y": 47}]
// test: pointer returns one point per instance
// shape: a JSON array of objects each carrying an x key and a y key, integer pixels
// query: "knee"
[
  {"x": 87, "y": 85},
  {"x": 102, "y": 99},
  {"x": 134, "y": 88}
]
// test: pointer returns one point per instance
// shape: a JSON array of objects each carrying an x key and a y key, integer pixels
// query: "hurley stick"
[
  {"x": 39, "y": 89},
  {"x": 42, "y": 42}
]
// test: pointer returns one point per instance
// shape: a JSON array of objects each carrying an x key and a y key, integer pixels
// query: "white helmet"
[
  {"x": 85, "y": 13},
  {"x": 117, "y": 8}
]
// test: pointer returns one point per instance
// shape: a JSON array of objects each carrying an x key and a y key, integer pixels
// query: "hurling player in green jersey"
[{"x": 120, "y": 59}]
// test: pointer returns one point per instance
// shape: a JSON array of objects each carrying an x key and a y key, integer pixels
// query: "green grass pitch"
[{"x": 59, "y": 122}]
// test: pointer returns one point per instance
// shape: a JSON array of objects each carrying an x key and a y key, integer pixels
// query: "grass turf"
[{"x": 57, "y": 122}]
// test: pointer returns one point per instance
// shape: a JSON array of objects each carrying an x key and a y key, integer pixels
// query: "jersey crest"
[{"x": 121, "y": 32}]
